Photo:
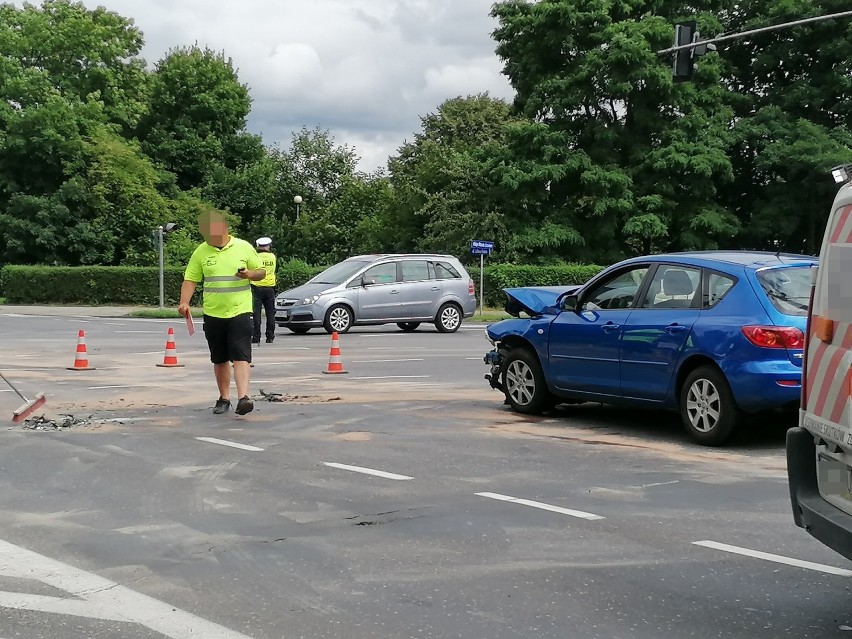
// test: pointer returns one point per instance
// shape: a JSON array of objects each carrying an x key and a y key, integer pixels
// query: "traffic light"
[{"x": 684, "y": 60}]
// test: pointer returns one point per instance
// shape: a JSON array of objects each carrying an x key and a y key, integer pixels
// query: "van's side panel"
[{"x": 819, "y": 451}]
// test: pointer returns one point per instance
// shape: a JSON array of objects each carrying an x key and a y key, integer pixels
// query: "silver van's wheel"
[
  {"x": 707, "y": 407},
  {"x": 449, "y": 318},
  {"x": 523, "y": 382},
  {"x": 338, "y": 319}
]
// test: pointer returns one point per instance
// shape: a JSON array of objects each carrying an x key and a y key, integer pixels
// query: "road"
[{"x": 399, "y": 500}]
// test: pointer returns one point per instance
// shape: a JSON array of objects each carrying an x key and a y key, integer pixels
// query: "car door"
[
  {"x": 419, "y": 289},
  {"x": 379, "y": 298},
  {"x": 584, "y": 345},
  {"x": 658, "y": 329}
]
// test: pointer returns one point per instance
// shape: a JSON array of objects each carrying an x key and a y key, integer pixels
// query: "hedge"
[{"x": 139, "y": 286}]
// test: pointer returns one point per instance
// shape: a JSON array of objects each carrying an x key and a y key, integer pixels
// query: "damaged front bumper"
[{"x": 494, "y": 359}]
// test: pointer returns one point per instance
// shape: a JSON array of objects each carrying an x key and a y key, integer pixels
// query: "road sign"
[
  {"x": 480, "y": 251},
  {"x": 481, "y": 244}
]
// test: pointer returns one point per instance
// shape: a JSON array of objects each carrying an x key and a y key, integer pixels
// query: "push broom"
[{"x": 27, "y": 409}]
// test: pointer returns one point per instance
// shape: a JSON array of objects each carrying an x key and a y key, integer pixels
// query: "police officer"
[{"x": 264, "y": 292}]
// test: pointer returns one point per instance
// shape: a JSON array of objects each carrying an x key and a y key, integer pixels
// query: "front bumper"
[
  {"x": 494, "y": 359},
  {"x": 297, "y": 315},
  {"x": 826, "y": 523}
]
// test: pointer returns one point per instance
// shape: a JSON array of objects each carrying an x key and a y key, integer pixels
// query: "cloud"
[{"x": 364, "y": 69}]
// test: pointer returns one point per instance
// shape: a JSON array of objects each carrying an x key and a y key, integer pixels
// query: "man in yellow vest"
[
  {"x": 226, "y": 265},
  {"x": 264, "y": 292}
]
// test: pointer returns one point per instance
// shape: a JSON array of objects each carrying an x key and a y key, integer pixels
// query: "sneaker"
[
  {"x": 255, "y": 341},
  {"x": 268, "y": 340},
  {"x": 222, "y": 405},
  {"x": 245, "y": 405}
]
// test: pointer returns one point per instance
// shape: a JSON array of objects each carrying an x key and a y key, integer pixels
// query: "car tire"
[
  {"x": 299, "y": 330},
  {"x": 338, "y": 319},
  {"x": 408, "y": 326},
  {"x": 524, "y": 384},
  {"x": 707, "y": 406},
  {"x": 449, "y": 318}
]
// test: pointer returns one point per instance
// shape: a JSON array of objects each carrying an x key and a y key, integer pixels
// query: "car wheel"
[
  {"x": 523, "y": 382},
  {"x": 707, "y": 407},
  {"x": 449, "y": 318},
  {"x": 408, "y": 326},
  {"x": 338, "y": 319},
  {"x": 299, "y": 330}
]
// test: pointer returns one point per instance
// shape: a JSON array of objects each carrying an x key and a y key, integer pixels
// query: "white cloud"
[{"x": 364, "y": 69}]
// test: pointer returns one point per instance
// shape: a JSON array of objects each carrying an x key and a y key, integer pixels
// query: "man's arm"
[{"x": 186, "y": 291}]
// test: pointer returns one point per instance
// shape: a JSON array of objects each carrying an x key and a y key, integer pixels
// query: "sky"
[{"x": 365, "y": 70}]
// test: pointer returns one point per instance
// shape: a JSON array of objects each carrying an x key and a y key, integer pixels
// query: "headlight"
[
  {"x": 490, "y": 340},
  {"x": 310, "y": 300}
]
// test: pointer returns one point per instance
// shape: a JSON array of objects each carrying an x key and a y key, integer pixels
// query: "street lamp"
[
  {"x": 161, "y": 232},
  {"x": 297, "y": 200}
]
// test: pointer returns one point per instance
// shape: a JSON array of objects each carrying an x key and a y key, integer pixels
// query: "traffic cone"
[
  {"x": 335, "y": 366},
  {"x": 81, "y": 360},
  {"x": 170, "y": 359}
]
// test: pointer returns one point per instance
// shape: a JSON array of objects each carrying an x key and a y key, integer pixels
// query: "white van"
[{"x": 819, "y": 450}]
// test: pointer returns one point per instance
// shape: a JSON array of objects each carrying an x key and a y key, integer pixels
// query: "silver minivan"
[{"x": 381, "y": 289}]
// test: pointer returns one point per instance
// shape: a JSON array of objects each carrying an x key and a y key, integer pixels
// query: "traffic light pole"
[{"x": 745, "y": 34}]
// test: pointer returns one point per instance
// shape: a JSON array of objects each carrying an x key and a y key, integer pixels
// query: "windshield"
[
  {"x": 787, "y": 288},
  {"x": 339, "y": 273}
]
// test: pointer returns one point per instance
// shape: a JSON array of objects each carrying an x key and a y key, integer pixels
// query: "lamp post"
[
  {"x": 161, "y": 233},
  {"x": 297, "y": 201}
]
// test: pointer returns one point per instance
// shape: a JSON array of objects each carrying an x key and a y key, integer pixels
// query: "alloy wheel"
[
  {"x": 450, "y": 318},
  {"x": 520, "y": 382},
  {"x": 339, "y": 319},
  {"x": 703, "y": 405}
]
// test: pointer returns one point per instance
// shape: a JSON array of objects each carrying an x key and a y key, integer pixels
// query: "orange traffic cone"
[
  {"x": 81, "y": 361},
  {"x": 170, "y": 359},
  {"x": 335, "y": 366}
]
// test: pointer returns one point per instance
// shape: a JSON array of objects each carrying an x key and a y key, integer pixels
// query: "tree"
[
  {"x": 196, "y": 117},
  {"x": 614, "y": 157}
]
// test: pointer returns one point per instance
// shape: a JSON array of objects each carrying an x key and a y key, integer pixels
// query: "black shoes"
[
  {"x": 245, "y": 405},
  {"x": 255, "y": 341},
  {"x": 222, "y": 405},
  {"x": 268, "y": 340}
]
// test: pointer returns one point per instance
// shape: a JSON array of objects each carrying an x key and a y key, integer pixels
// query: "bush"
[{"x": 139, "y": 285}]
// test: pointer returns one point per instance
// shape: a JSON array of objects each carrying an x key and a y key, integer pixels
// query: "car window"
[
  {"x": 446, "y": 271},
  {"x": 789, "y": 289},
  {"x": 381, "y": 274},
  {"x": 718, "y": 285},
  {"x": 415, "y": 270},
  {"x": 339, "y": 273},
  {"x": 673, "y": 286},
  {"x": 616, "y": 292}
]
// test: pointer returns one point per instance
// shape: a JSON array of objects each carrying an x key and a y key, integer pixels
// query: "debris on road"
[
  {"x": 64, "y": 421},
  {"x": 282, "y": 397}
]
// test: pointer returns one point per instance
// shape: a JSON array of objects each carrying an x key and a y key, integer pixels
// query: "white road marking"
[
  {"x": 538, "y": 504},
  {"x": 149, "y": 353},
  {"x": 115, "y": 324},
  {"x": 831, "y": 570},
  {"x": 478, "y": 359},
  {"x": 396, "y": 348},
  {"x": 6, "y": 390},
  {"x": 116, "y": 386},
  {"x": 274, "y": 363},
  {"x": 97, "y": 598},
  {"x": 382, "y": 361},
  {"x": 225, "y": 442},
  {"x": 141, "y": 332},
  {"x": 393, "y": 377},
  {"x": 367, "y": 471}
]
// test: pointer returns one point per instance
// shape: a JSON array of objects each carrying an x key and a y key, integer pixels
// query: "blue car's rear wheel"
[
  {"x": 707, "y": 407},
  {"x": 523, "y": 382}
]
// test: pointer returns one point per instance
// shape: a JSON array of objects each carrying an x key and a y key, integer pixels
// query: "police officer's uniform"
[{"x": 264, "y": 292}]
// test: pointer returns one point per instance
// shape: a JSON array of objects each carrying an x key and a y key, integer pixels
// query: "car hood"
[
  {"x": 535, "y": 300},
  {"x": 305, "y": 290}
]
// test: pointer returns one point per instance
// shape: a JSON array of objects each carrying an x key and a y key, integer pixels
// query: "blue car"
[{"x": 714, "y": 335}]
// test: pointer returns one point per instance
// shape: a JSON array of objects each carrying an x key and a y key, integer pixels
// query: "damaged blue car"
[{"x": 714, "y": 335}]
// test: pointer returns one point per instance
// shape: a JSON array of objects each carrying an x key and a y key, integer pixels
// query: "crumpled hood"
[{"x": 535, "y": 300}]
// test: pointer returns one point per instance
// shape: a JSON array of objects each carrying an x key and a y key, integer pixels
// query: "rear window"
[
  {"x": 787, "y": 288},
  {"x": 446, "y": 271}
]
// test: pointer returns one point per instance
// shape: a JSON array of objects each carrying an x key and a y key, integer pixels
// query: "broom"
[{"x": 27, "y": 409}]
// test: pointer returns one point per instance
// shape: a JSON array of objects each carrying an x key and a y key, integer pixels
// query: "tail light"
[
  {"x": 471, "y": 289},
  {"x": 775, "y": 336}
]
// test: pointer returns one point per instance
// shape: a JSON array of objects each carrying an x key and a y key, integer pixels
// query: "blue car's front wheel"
[{"x": 523, "y": 383}]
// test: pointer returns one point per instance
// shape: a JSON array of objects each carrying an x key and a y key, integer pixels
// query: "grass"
[
  {"x": 2, "y": 300},
  {"x": 489, "y": 315},
  {"x": 165, "y": 313}
]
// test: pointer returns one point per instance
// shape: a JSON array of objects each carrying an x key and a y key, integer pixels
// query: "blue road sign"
[
  {"x": 481, "y": 244},
  {"x": 480, "y": 251}
]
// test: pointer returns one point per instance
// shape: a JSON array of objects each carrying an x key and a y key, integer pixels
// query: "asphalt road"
[{"x": 475, "y": 522}]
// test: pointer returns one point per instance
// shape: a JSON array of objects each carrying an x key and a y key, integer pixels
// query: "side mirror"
[{"x": 569, "y": 303}]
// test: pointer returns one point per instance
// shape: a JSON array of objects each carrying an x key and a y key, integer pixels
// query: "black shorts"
[{"x": 229, "y": 339}]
